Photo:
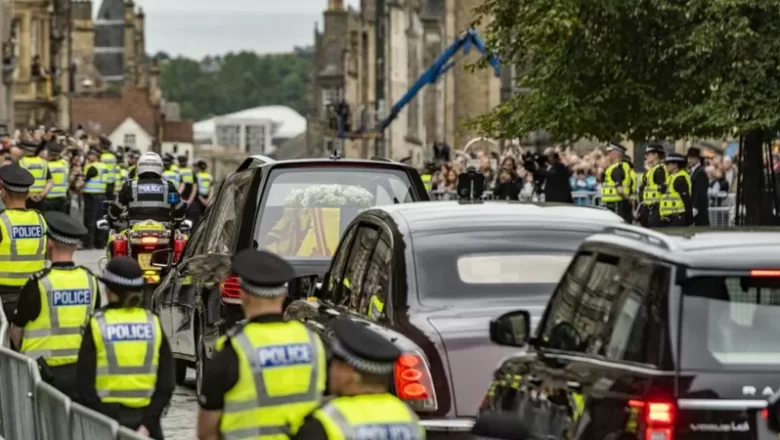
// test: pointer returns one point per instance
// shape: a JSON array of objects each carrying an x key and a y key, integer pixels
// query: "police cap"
[
  {"x": 167, "y": 158},
  {"x": 93, "y": 149},
  {"x": 655, "y": 148},
  {"x": 104, "y": 141},
  {"x": 123, "y": 274},
  {"x": 363, "y": 349},
  {"x": 28, "y": 145},
  {"x": 675, "y": 157},
  {"x": 63, "y": 228},
  {"x": 262, "y": 273},
  {"x": 614, "y": 146},
  {"x": 182, "y": 158},
  {"x": 54, "y": 147},
  {"x": 15, "y": 178}
]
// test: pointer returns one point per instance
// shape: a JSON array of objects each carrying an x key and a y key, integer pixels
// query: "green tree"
[
  {"x": 641, "y": 69},
  {"x": 234, "y": 82}
]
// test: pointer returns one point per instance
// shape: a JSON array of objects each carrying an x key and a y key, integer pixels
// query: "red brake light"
[
  {"x": 659, "y": 420},
  {"x": 178, "y": 248},
  {"x": 765, "y": 273},
  {"x": 119, "y": 246},
  {"x": 230, "y": 289},
  {"x": 413, "y": 382}
]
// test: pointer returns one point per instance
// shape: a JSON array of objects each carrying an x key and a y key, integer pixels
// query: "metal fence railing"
[
  {"x": 722, "y": 207},
  {"x": 31, "y": 409}
]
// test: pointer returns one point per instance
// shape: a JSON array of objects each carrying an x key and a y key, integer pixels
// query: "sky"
[{"x": 196, "y": 28}]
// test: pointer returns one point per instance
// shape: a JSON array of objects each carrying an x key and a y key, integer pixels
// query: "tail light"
[
  {"x": 658, "y": 418},
  {"x": 230, "y": 290},
  {"x": 119, "y": 246},
  {"x": 178, "y": 248},
  {"x": 413, "y": 382}
]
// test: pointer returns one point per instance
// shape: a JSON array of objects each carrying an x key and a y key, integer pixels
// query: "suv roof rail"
[{"x": 641, "y": 234}]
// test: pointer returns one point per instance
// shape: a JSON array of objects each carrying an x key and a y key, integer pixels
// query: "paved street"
[{"x": 179, "y": 423}]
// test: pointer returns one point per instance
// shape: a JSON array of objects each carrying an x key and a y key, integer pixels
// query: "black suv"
[{"x": 650, "y": 336}]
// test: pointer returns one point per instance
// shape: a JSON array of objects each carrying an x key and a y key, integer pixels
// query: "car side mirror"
[
  {"x": 500, "y": 426},
  {"x": 511, "y": 329},
  {"x": 185, "y": 226},
  {"x": 103, "y": 224},
  {"x": 302, "y": 287},
  {"x": 162, "y": 258}
]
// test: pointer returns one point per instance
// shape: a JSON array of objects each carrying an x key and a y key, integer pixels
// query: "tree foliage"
[
  {"x": 234, "y": 82},
  {"x": 637, "y": 68}
]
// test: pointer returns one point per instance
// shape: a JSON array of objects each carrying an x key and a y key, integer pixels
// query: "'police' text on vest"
[
  {"x": 129, "y": 332},
  {"x": 284, "y": 355},
  {"x": 78, "y": 297},
  {"x": 385, "y": 431},
  {"x": 23, "y": 231},
  {"x": 150, "y": 188}
]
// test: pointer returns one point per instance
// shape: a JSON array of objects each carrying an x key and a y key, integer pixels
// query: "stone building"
[
  {"x": 41, "y": 42},
  {"x": 119, "y": 48}
]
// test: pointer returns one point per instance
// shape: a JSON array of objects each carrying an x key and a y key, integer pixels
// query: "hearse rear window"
[
  {"x": 305, "y": 210},
  {"x": 731, "y": 323}
]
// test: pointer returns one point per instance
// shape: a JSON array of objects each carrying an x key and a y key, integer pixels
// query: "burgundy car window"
[
  {"x": 336, "y": 272},
  {"x": 348, "y": 291},
  {"x": 377, "y": 280}
]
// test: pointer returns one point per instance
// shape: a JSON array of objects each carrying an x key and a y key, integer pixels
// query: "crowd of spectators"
[{"x": 519, "y": 175}]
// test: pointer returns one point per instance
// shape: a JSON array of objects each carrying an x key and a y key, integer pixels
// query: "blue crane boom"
[{"x": 440, "y": 67}]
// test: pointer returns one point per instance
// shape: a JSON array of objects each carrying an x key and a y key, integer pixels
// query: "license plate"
[{"x": 145, "y": 261}]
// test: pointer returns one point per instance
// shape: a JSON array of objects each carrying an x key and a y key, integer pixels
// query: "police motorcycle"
[{"x": 146, "y": 241}]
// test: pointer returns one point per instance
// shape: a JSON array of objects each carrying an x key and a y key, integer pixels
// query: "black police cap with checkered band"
[
  {"x": 363, "y": 349},
  {"x": 15, "y": 178},
  {"x": 64, "y": 228}
]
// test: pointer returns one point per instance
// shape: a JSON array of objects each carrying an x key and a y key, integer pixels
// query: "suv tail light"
[
  {"x": 413, "y": 382},
  {"x": 178, "y": 248},
  {"x": 658, "y": 418},
  {"x": 230, "y": 290},
  {"x": 119, "y": 246}
]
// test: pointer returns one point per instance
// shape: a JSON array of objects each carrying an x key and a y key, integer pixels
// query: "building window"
[
  {"x": 255, "y": 139},
  {"x": 130, "y": 140},
  {"x": 229, "y": 135},
  {"x": 330, "y": 97}
]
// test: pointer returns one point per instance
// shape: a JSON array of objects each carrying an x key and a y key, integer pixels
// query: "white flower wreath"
[{"x": 329, "y": 196}]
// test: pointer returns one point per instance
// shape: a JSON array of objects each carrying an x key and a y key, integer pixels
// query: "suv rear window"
[
  {"x": 731, "y": 323},
  {"x": 305, "y": 210}
]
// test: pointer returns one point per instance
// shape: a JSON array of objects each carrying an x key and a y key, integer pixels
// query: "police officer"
[
  {"x": 22, "y": 236},
  {"x": 616, "y": 186},
  {"x": 94, "y": 194},
  {"x": 132, "y": 163},
  {"x": 268, "y": 373},
  {"x": 112, "y": 170},
  {"x": 203, "y": 180},
  {"x": 38, "y": 167},
  {"x": 359, "y": 374},
  {"x": 652, "y": 180},
  {"x": 187, "y": 188},
  {"x": 125, "y": 367},
  {"x": 676, "y": 208},
  {"x": 54, "y": 304},
  {"x": 427, "y": 175},
  {"x": 59, "y": 168},
  {"x": 121, "y": 173},
  {"x": 169, "y": 173},
  {"x": 149, "y": 197}
]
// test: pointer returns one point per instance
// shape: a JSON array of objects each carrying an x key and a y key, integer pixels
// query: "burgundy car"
[{"x": 430, "y": 276}]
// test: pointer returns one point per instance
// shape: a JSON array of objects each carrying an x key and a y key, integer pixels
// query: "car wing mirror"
[
  {"x": 302, "y": 287},
  {"x": 511, "y": 329},
  {"x": 103, "y": 224},
  {"x": 162, "y": 258},
  {"x": 185, "y": 226},
  {"x": 500, "y": 426}
]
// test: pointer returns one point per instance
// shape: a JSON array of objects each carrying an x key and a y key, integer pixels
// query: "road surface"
[{"x": 179, "y": 422}]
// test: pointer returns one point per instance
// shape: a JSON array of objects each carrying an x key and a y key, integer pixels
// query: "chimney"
[
  {"x": 142, "y": 76},
  {"x": 154, "y": 83},
  {"x": 335, "y": 5}
]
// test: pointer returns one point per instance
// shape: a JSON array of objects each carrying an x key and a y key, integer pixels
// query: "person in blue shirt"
[{"x": 582, "y": 181}]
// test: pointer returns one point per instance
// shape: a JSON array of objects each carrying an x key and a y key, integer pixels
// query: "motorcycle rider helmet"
[{"x": 150, "y": 162}]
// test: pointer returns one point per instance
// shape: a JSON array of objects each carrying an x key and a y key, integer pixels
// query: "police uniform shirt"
[
  {"x": 681, "y": 186},
  {"x": 618, "y": 175},
  {"x": 29, "y": 306},
  {"x": 87, "y": 372},
  {"x": 150, "y": 189}
]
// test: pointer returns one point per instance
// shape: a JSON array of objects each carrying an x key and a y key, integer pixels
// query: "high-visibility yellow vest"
[
  {"x": 375, "y": 307},
  {"x": 175, "y": 167},
  {"x": 204, "y": 183},
  {"x": 68, "y": 297},
  {"x": 671, "y": 201},
  {"x": 131, "y": 172},
  {"x": 127, "y": 345},
  {"x": 186, "y": 175},
  {"x": 650, "y": 192},
  {"x": 609, "y": 193},
  {"x": 281, "y": 379},
  {"x": 60, "y": 170},
  {"x": 426, "y": 178},
  {"x": 39, "y": 169},
  {"x": 123, "y": 174},
  {"x": 96, "y": 185},
  {"x": 632, "y": 175},
  {"x": 22, "y": 247},
  {"x": 112, "y": 169},
  {"x": 172, "y": 176},
  {"x": 354, "y": 417}
]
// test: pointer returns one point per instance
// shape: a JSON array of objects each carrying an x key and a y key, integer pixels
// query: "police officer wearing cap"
[
  {"x": 132, "y": 163},
  {"x": 187, "y": 188},
  {"x": 359, "y": 375},
  {"x": 649, "y": 188},
  {"x": 54, "y": 304},
  {"x": 121, "y": 173},
  {"x": 268, "y": 373},
  {"x": 125, "y": 366},
  {"x": 108, "y": 158},
  {"x": 22, "y": 236},
  {"x": 170, "y": 172},
  {"x": 675, "y": 207},
  {"x": 203, "y": 180},
  {"x": 616, "y": 186},
  {"x": 59, "y": 168},
  {"x": 94, "y": 192},
  {"x": 149, "y": 197},
  {"x": 39, "y": 169}
]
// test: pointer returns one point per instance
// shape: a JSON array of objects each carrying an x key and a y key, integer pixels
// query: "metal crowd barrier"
[
  {"x": 31, "y": 409},
  {"x": 722, "y": 207}
]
